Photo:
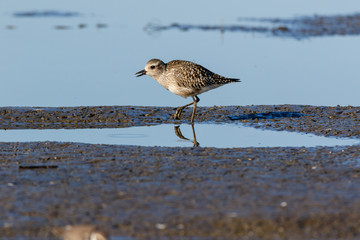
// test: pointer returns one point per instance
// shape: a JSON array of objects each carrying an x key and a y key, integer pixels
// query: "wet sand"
[{"x": 153, "y": 192}]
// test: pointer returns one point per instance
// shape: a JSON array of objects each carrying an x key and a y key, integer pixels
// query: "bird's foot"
[{"x": 178, "y": 114}]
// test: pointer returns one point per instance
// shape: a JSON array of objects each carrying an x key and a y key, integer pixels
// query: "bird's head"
[{"x": 153, "y": 68}]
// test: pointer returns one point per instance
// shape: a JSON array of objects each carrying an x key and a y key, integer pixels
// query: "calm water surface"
[
  {"x": 207, "y": 135},
  {"x": 73, "y": 61}
]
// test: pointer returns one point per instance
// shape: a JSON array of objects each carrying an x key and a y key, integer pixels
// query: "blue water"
[
  {"x": 207, "y": 135},
  {"x": 42, "y": 65}
]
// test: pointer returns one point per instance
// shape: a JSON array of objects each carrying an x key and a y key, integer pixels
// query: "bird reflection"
[{"x": 181, "y": 136}]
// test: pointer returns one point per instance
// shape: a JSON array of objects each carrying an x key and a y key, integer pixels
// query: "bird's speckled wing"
[{"x": 192, "y": 75}]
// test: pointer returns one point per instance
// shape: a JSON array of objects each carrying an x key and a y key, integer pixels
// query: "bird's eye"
[{"x": 152, "y": 67}]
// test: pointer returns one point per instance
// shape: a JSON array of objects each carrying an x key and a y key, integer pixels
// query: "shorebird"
[{"x": 184, "y": 78}]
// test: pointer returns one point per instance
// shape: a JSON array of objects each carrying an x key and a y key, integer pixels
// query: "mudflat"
[{"x": 190, "y": 193}]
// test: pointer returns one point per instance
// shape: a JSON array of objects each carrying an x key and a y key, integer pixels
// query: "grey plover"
[{"x": 184, "y": 78}]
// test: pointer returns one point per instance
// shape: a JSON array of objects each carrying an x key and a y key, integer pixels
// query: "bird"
[{"x": 184, "y": 78}]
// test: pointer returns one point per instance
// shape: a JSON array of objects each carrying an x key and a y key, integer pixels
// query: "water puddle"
[{"x": 204, "y": 135}]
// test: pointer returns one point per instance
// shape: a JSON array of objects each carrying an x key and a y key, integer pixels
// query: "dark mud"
[
  {"x": 154, "y": 192},
  {"x": 47, "y": 13},
  {"x": 325, "y": 121},
  {"x": 299, "y": 27}
]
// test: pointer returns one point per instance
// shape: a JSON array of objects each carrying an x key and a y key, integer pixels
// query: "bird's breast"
[
  {"x": 173, "y": 86},
  {"x": 163, "y": 81},
  {"x": 182, "y": 91}
]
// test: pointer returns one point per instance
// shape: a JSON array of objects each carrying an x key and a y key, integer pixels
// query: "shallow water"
[
  {"x": 72, "y": 61},
  {"x": 206, "y": 135}
]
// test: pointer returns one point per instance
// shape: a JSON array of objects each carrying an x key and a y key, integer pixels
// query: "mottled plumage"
[
  {"x": 192, "y": 75},
  {"x": 184, "y": 78}
]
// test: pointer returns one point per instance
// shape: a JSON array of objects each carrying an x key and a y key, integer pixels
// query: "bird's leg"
[
  {"x": 196, "y": 100},
  {"x": 196, "y": 143},
  {"x": 179, "y": 111}
]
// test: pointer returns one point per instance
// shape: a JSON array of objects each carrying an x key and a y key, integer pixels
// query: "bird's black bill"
[{"x": 140, "y": 73}]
